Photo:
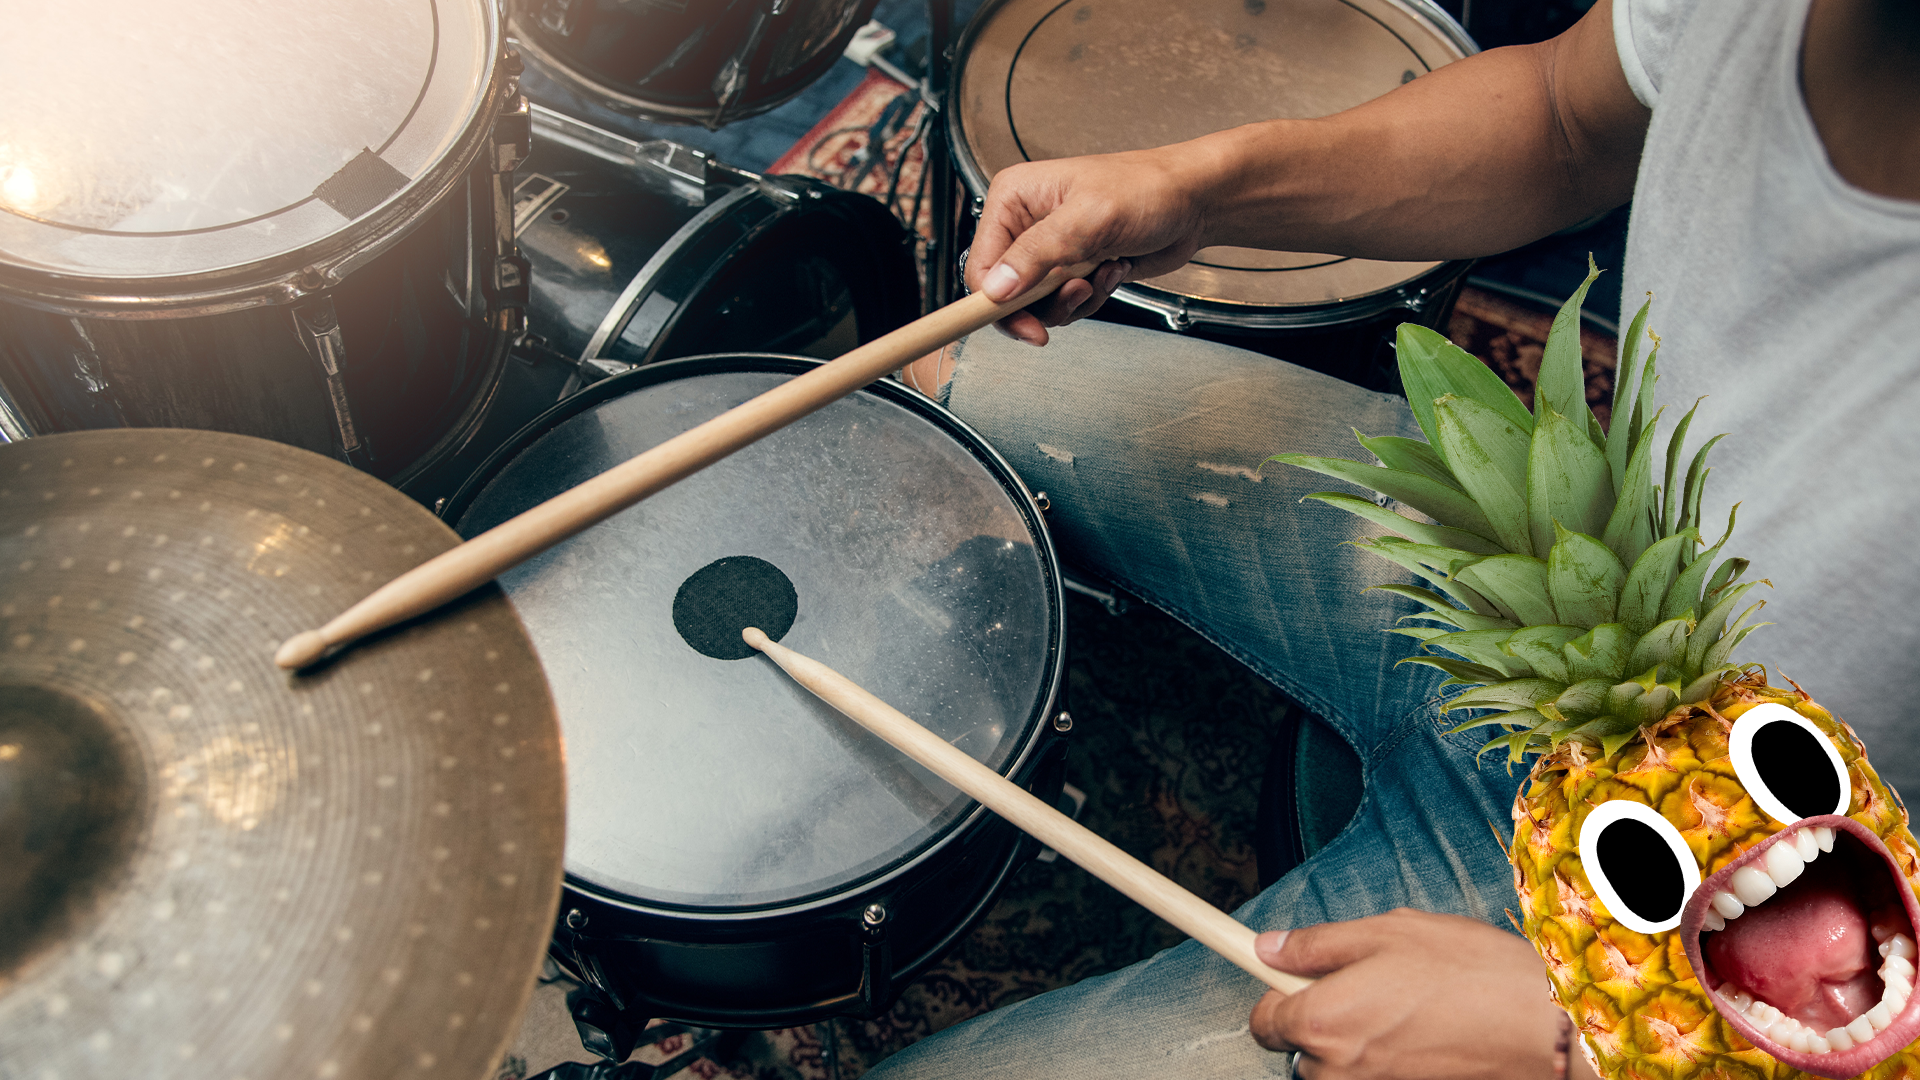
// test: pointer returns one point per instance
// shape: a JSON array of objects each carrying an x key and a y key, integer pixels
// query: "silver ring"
[
  {"x": 964, "y": 252},
  {"x": 1293, "y": 1062}
]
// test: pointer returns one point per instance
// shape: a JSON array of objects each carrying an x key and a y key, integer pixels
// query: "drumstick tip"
[
  {"x": 300, "y": 650},
  {"x": 756, "y": 637}
]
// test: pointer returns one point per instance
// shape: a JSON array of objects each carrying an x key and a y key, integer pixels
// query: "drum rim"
[
  {"x": 292, "y": 275},
  {"x": 1032, "y": 738},
  {"x": 1181, "y": 309},
  {"x": 621, "y": 99}
]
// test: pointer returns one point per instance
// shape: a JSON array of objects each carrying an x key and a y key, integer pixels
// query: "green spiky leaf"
[
  {"x": 1488, "y": 454},
  {"x": 1600, "y": 653},
  {"x": 1542, "y": 647},
  {"x": 1464, "y": 673},
  {"x": 1652, "y": 575},
  {"x": 1517, "y": 585},
  {"x": 1514, "y": 693},
  {"x": 1583, "y": 579},
  {"x": 1567, "y": 481},
  {"x": 1562, "y": 383},
  {"x": 1663, "y": 646},
  {"x": 1683, "y": 596},
  {"x": 1417, "y": 531},
  {"x": 1631, "y": 528},
  {"x": 1432, "y": 367},
  {"x": 1408, "y": 455},
  {"x": 1446, "y": 505},
  {"x": 1620, "y": 437}
]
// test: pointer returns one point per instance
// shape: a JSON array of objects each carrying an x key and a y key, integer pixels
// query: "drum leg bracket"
[{"x": 876, "y": 962}]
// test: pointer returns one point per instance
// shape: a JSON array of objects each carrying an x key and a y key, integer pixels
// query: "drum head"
[
  {"x": 1044, "y": 79},
  {"x": 917, "y": 567},
  {"x": 158, "y": 138}
]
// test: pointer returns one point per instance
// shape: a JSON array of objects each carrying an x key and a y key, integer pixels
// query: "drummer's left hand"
[{"x": 1411, "y": 995}]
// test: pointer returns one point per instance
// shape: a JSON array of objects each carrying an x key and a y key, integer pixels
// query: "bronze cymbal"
[{"x": 210, "y": 867}]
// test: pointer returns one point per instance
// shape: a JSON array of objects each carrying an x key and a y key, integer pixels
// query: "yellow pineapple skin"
[{"x": 1634, "y": 998}]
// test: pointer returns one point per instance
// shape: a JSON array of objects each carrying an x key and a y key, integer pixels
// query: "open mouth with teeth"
[{"x": 1807, "y": 943}]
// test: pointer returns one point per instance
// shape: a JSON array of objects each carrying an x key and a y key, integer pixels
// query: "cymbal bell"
[{"x": 213, "y": 868}]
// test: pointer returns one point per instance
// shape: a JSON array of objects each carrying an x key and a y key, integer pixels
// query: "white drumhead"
[
  {"x": 1046, "y": 79},
  {"x": 158, "y": 138},
  {"x": 701, "y": 783}
]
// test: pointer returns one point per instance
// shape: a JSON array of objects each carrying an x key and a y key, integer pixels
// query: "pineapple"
[{"x": 1717, "y": 880}]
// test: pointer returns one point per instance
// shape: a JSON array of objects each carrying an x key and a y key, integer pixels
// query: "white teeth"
[
  {"x": 1783, "y": 1030},
  {"x": 1900, "y": 945},
  {"x": 1763, "y": 1014},
  {"x": 1839, "y": 1039},
  {"x": 1740, "y": 1000},
  {"x": 1784, "y": 864},
  {"x": 1801, "y": 1040},
  {"x": 1806, "y": 845},
  {"x": 1714, "y": 921},
  {"x": 1879, "y": 1016},
  {"x": 1898, "y": 965},
  {"x": 1820, "y": 1045},
  {"x": 1880, "y": 934},
  {"x": 1752, "y": 886},
  {"x": 1823, "y": 836},
  {"x": 1860, "y": 1029},
  {"x": 1727, "y": 905}
]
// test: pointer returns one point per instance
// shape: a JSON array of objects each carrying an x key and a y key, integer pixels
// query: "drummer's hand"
[
  {"x": 1411, "y": 996},
  {"x": 1138, "y": 212}
]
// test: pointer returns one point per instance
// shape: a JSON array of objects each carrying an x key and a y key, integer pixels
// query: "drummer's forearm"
[{"x": 1474, "y": 158}]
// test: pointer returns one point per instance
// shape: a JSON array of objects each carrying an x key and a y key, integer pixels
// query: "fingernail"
[
  {"x": 1000, "y": 283},
  {"x": 1268, "y": 945}
]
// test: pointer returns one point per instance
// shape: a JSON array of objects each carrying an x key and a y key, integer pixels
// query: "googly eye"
[
  {"x": 1789, "y": 766},
  {"x": 1638, "y": 865}
]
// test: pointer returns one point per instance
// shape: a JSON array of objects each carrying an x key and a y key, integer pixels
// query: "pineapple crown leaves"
[{"x": 1563, "y": 589}]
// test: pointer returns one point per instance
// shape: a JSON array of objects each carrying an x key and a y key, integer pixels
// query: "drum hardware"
[
  {"x": 702, "y": 1042},
  {"x": 350, "y": 872},
  {"x": 1152, "y": 890},
  {"x": 1072, "y": 802},
  {"x": 1109, "y": 597}
]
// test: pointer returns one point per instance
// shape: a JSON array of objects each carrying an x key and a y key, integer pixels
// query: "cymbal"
[{"x": 213, "y": 868}]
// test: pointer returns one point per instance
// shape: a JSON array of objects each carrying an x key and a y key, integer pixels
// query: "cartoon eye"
[
  {"x": 1638, "y": 865},
  {"x": 1789, "y": 766}
]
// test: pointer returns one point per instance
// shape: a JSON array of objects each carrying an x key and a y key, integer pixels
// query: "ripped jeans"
[{"x": 1150, "y": 449}]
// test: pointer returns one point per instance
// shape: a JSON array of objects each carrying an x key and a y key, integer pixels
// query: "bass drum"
[
  {"x": 739, "y": 854},
  {"x": 710, "y": 62},
  {"x": 1041, "y": 79},
  {"x": 645, "y": 251},
  {"x": 298, "y": 244}
]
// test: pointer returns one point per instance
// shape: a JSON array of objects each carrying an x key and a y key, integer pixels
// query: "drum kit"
[{"x": 291, "y": 301}]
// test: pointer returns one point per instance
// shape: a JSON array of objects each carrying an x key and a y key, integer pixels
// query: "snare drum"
[
  {"x": 1040, "y": 79},
  {"x": 277, "y": 220},
  {"x": 710, "y": 62},
  {"x": 739, "y": 854}
]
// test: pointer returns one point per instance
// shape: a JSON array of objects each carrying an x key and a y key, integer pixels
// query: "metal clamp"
[{"x": 318, "y": 324}]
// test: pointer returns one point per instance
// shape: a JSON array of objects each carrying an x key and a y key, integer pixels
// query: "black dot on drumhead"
[{"x": 728, "y": 595}]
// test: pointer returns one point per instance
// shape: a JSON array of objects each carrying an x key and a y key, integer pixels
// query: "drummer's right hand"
[{"x": 1139, "y": 213}]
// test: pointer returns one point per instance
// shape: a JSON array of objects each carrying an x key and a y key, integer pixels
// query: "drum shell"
[
  {"x": 802, "y": 960},
  {"x": 708, "y": 63},
  {"x": 801, "y": 966},
  {"x": 1323, "y": 312},
  {"x": 650, "y": 251},
  {"x": 422, "y": 348}
]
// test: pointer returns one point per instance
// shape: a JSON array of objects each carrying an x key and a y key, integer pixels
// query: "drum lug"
[
  {"x": 1178, "y": 320},
  {"x": 512, "y": 134},
  {"x": 876, "y": 961},
  {"x": 319, "y": 327},
  {"x": 604, "y": 1028},
  {"x": 1415, "y": 300}
]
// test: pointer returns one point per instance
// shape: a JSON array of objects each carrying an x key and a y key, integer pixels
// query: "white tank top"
[{"x": 1793, "y": 299}]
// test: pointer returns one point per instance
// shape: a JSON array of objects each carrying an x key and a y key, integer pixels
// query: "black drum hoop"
[{"x": 1032, "y": 732}]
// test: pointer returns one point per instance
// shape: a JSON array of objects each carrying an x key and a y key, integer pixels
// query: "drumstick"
[
  {"x": 1198, "y": 919},
  {"x": 466, "y": 567}
]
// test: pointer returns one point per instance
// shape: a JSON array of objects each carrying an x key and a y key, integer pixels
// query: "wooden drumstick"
[
  {"x": 1198, "y": 919},
  {"x": 464, "y": 568}
]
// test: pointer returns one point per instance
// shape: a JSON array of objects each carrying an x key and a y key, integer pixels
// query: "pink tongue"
[{"x": 1806, "y": 951}]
